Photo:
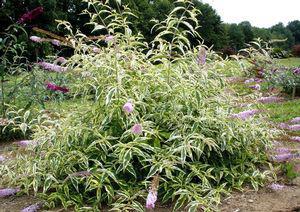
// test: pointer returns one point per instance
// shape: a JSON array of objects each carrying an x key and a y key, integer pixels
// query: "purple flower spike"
[
  {"x": 52, "y": 67},
  {"x": 55, "y": 42},
  {"x": 36, "y": 39},
  {"x": 96, "y": 50},
  {"x": 128, "y": 107},
  {"x": 61, "y": 60},
  {"x": 295, "y": 127},
  {"x": 255, "y": 87},
  {"x": 245, "y": 114},
  {"x": 53, "y": 87},
  {"x": 8, "y": 192},
  {"x": 269, "y": 99},
  {"x": 151, "y": 199},
  {"x": 2, "y": 158},
  {"x": 201, "y": 59},
  {"x": 283, "y": 126},
  {"x": 283, "y": 157},
  {"x": 283, "y": 150},
  {"x": 137, "y": 129},
  {"x": 276, "y": 187},
  {"x": 26, "y": 143},
  {"x": 296, "y": 71},
  {"x": 109, "y": 38},
  {"x": 32, "y": 208},
  {"x": 295, "y": 120},
  {"x": 295, "y": 138},
  {"x": 249, "y": 81},
  {"x": 31, "y": 15}
]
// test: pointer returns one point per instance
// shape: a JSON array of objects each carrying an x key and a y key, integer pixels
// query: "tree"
[
  {"x": 294, "y": 27},
  {"x": 211, "y": 28},
  {"x": 279, "y": 31},
  {"x": 236, "y": 36},
  {"x": 246, "y": 27}
]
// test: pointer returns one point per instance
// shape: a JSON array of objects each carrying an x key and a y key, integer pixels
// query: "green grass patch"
[
  {"x": 282, "y": 112},
  {"x": 290, "y": 62}
]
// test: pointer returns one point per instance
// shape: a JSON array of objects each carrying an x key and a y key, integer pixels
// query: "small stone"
[
  {"x": 296, "y": 181},
  {"x": 250, "y": 200}
]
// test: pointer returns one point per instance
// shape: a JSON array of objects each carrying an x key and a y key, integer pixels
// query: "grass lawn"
[
  {"x": 292, "y": 61},
  {"x": 282, "y": 112}
]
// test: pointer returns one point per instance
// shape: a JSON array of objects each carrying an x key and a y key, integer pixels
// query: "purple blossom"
[
  {"x": 295, "y": 120},
  {"x": 255, "y": 87},
  {"x": 109, "y": 38},
  {"x": 29, "y": 16},
  {"x": 52, "y": 67},
  {"x": 258, "y": 80},
  {"x": 55, "y": 42},
  {"x": 53, "y": 87},
  {"x": 283, "y": 150},
  {"x": 295, "y": 127},
  {"x": 36, "y": 39},
  {"x": 137, "y": 129},
  {"x": 283, "y": 126},
  {"x": 26, "y": 143},
  {"x": 276, "y": 187},
  {"x": 283, "y": 157},
  {"x": 269, "y": 99},
  {"x": 2, "y": 158},
  {"x": 245, "y": 114},
  {"x": 295, "y": 138},
  {"x": 249, "y": 81},
  {"x": 32, "y": 208},
  {"x": 8, "y": 192},
  {"x": 128, "y": 107},
  {"x": 296, "y": 71},
  {"x": 61, "y": 60},
  {"x": 151, "y": 199},
  {"x": 96, "y": 50},
  {"x": 201, "y": 59}
]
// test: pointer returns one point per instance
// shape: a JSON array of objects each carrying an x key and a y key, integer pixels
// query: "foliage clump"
[{"x": 169, "y": 121}]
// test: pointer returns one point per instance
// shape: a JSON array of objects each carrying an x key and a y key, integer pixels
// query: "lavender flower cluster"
[
  {"x": 245, "y": 114},
  {"x": 269, "y": 99},
  {"x": 5, "y": 192}
]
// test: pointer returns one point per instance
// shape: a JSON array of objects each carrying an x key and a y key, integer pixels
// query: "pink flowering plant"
[{"x": 138, "y": 122}]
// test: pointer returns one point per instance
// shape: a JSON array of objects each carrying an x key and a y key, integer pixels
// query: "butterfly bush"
[
  {"x": 32, "y": 208},
  {"x": 52, "y": 67},
  {"x": 245, "y": 114},
  {"x": 151, "y": 199},
  {"x": 36, "y": 39},
  {"x": 109, "y": 38},
  {"x": 188, "y": 136},
  {"x": 31, "y": 15},
  {"x": 55, "y": 42},
  {"x": 276, "y": 186},
  {"x": 26, "y": 143},
  {"x": 283, "y": 150},
  {"x": 2, "y": 158},
  {"x": 295, "y": 138},
  {"x": 283, "y": 157},
  {"x": 5, "y": 192},
  {"x": 54, "y": 87},
  {"x": 201, "y": 59},
  {"x": 137, "y": 129},
  {"x": 255, "y": 87},
  {"x": 128, "y": 107},
  {"x": 295, "y": 120},
  {"x": 269, "y": 99},
  {"x": 295, "y": 127}
]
